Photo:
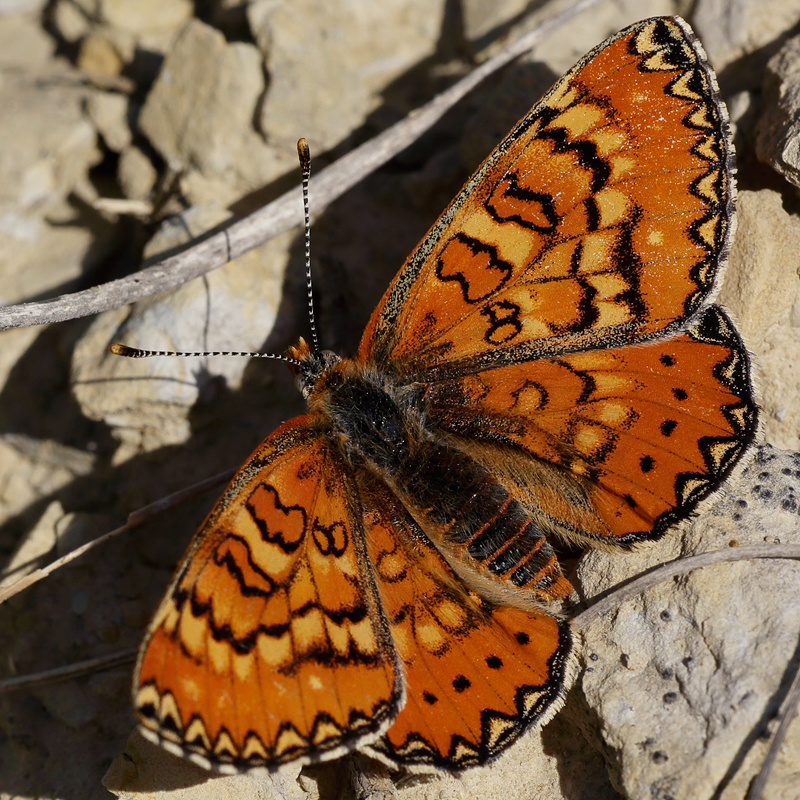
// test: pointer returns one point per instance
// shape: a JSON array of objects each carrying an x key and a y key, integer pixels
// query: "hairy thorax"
[{"x": 488, "y": 537}]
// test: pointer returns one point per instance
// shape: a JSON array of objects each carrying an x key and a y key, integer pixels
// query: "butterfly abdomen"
[{"x": 462, "y": 507}]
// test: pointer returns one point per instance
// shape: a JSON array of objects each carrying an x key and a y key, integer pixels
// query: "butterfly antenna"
[
  {"x": 134, "y": 352},
  {"x": 304, "y": 154}
]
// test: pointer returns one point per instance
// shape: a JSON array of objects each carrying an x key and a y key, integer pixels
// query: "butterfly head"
[{"x": 309, "y": 366}]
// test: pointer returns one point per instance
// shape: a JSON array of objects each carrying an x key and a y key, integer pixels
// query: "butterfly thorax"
[{"x": 381, "y": 429}]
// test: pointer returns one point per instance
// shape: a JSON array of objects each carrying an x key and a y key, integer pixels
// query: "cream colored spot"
[
  {"x": 253, "y": 746},
  {"x": 244, "y": 666},
  {"x": 192, "y": 632},
  {"x": 613, "y": 414},
  {"x": 309, "y": 631},
  {"x": 577, "y": 467},
  {"x": 708, "y": 231},
  {"x": 431, "y": 636},
  {"x": 197, "y": 730},
  {"x": 275, "y": 652},
  {"x": 464, "y": 752},
  {"x": 707, "y": 148},
  {"x": 589, "y": 439},
  {"x": 168, "y": 709},
  {"x": 325, "y": 731},
  {"x": 609, "y": 285},
  {"x": 219, "y": 655},
  {"x": 564, "y": 94},
  {"x": 364, "y": 636},
  {"x": 682, "y": 87},
  {"x": 148, "y": 696},
  {"x": 402, "y": 642},
  {"x": 268, "y": 557},
  {"x": 579, "y": 119},
  {"x": 224, "y": 745},
  {"x": 611, "y": 313},
  {"x": 498, "y": 727},
  {"x": 513, "y": 243},
  {"x": 611, "y": 383},
  {"x": 315, "y": 683},
  {"x": 530, "y": 700},
  {"x": 609, "y": 140},
  {"x": 391, "y": 566},
  {"x": 620, "y": 167},
  {"x": 597, "y": 248},
  {"x": 450, "y": 614},
  {"x": 338, "y": 635},
  {"x": 289, "y": 739},
  {"x": 699, "y": 118},
  {"x": 613, "y": 206},
  {"x": 167, "y": 616},
  {"x": 655, "y": 238},
  {"x": 707, "y": 186}
]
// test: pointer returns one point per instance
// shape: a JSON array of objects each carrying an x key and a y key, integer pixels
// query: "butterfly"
[{"x": 548, "y": 365}]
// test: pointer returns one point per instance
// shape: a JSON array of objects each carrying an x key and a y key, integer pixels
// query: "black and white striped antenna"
[{"x": 304, "y": 154}]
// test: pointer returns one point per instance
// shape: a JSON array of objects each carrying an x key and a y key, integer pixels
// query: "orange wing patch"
[
  {"x": 476, "y": 674},
  {"x": 596, "y": 221},
  {"x": 641, "y": 434},
  {"x": 270, "y": 647}
]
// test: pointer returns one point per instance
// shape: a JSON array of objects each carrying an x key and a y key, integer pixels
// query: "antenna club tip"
[
  {"x": 303, "y": 150},
  {"x": 122, "y": 350}
]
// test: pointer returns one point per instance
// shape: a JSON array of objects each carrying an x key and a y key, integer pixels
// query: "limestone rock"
[
  {"x": 146, "y": 401},
  {"x": 730, "y": 29},
  {"x": 684, "y": 680},
  {"x": 762, "y": 289},
  {"x": 109, "y": 114},
  {"x": 778, "y": 138},
  {"x": 199, "y": 116},
  {"x": 136, "y": 173},
  {"x": 327, "y": 63}
]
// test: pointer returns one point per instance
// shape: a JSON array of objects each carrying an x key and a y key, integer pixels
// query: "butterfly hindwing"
[{"x": 477, "y": 673}]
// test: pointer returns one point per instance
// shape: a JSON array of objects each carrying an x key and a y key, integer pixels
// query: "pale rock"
[
  {"x": 199, "y": 116},
  {"x": 8, "y": 7},
  {"x": 99, "y": 56},
  {"x": 761, "y": 287},
  {"x": 108, "y": 112},
  {"x": 730, "y": 29},
  {"x": 778, "y": 140},
  {"x": 136, "y": 174},
  {"x": 70, "y": 21},
  {"x": 38, "y": 172},
  {"x": 31, "y": 470},
  {"x": 23, "y": 45},
  {"x": 36, "y": 545},
  {"x": 142, "y": 16},
  {"x": 146, "y": 401},
  {"x": 684, "y": 718},
  {"x": 483, "y": 17},
  {"x": 327, "y": 63}
]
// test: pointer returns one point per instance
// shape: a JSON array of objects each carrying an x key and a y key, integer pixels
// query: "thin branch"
[
  {"x": 135, "y": 518},
  {"x": 614, "y": 597},
  {"x": 91, "y": 665},
  {"x": 788, "y": 713},
  {"x": 282, "y": 214}
]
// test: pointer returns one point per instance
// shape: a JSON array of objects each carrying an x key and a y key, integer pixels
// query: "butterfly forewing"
[
  {"x": 603, "y": 218},
  {"x": 270, "y": 646}
]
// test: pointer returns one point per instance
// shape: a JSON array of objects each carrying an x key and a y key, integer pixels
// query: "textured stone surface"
[
  {"x": 778, "y": 132},
  {"x": 327, "y": 63},
  {"x": 685, "y": 680}
]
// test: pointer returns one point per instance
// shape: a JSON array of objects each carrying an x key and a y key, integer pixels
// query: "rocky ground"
[{"x": 129, "y": 127}]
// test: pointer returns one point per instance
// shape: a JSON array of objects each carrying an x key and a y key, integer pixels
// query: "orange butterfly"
[{"x": 546, "y": 365}]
